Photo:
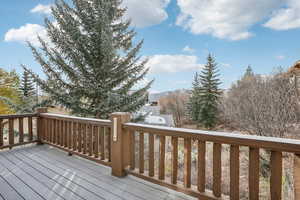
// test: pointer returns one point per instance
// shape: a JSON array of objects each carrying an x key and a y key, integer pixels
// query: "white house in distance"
[{"x": 151, "y": 111}]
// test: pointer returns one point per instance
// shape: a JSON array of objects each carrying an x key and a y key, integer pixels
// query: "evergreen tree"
[
  {"x": 249, "y": 72},
  {"x": 209, "y": 93},
  {"x": 27, "y": 85},
  {"x": 193, "y": 106},
  {"x": 92, "y": 62}
]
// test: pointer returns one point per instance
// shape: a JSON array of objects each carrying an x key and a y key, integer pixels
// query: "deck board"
[
  {"x": 43, "y": 172},
  {"x": 99, "y": 176}
]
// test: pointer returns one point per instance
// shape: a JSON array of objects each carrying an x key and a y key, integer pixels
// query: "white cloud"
[
  {"x": 40, "y": 8},
  {"x": 172, "y": 63},
  {"x": 188, "y": 49},
  {"x": 286, "y": 18},
  {"x": 25, "y": 33},
  {"x": 225, "y": 19},
  {"x": 146, "y": 13}
]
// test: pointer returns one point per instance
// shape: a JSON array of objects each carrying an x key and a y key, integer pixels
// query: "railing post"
[
  {"x": 297, "y": 176},
  {"x": 120, "y": 141},
  {"x": 39, "y": 124}
]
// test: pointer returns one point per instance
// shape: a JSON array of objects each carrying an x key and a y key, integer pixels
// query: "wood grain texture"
[
  {"x": 58, "y": 132},
  {"x": 162, "y": 149},
  {"x": 141, "y": 153},
  {"x": 1, "y": 132},
  {"x": 132, "y": 150},
  {"x": 30, "y": 132},
  {"x": 217, "y": 169},
  {"x": 187, "y": 162},
  {"x": 102, "y": 143},
  {"x": 201, "y": 166},
  {"x": 108, "y": 139},
  {"x": 79, "y": 144},
  {"x": 11, "y": 135},
  {"x": 75, "y": 135},
  {"x": 254, "y": 173},
  {"x": 96, "y": 141},
  {"x": 48, "y": 138},
  {"x": 21, "y": 130},
  {"x": 276, "y": 175},
  {"x": 66, "y": 126},
  {"x": 84, "y": 137},
  {"x": 151, "y": 154},
  {"x": 90, "y": 139},
  {"x": 70, "y": 135},
  {"x": 174, "y": 172},
  {"x": 297, "y": 176},
  {"x": 62, "y": 133},
  {"x": 234, "y": 172}
]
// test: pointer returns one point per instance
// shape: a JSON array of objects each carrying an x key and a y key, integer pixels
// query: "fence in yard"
[{"x": 140, "y": 150}]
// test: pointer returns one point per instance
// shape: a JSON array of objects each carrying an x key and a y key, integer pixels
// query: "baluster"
[
  {"x": 102, "y": 143},
  {"x": 11, "y": 137},
  {"x": 66, "y": 125},
  {"x": 49, "y": 124},
  {"x": 1, "y": 132},
  {"x": 276, "y": 175},
  {"x": 70, "y": 135},
  {"x": 79, "y": 137},
  {"x": 75, "y": 135},
  {"x": 96, "y": 141},
  {"x": 90, "y": 137},
  {"x": 151, "y": 155},
  {"x": 21, "y": 130},
  {"x": 234, "y": 172},
  {"x": 58, "y": 132},
  {"x": 53, "y": 127},
  {"x": 297, "y": 176},
  {"x": 141, "y": 153},
  {"x": 187, "y": 162},
  {"x": 84, "y": 127},
  {"x": 201, "y": 166},
  {"x": 174, "y": 172},
  {"x": 217, "y": 169},
  {"x": 253, "y": 173},
  {"x": 62, "y": 133},
  {"x": 30, "y": 128},
  {"x": 44, "y": 128},
  {"x": 132, "y": 149},
  {"x": 162, "y": 146},
  {"x": 108, "y": 133}
]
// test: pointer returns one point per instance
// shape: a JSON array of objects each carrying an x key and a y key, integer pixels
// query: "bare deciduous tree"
[
  {"x": 175, "y": 104},
  {"x": 261, "y": 105}
]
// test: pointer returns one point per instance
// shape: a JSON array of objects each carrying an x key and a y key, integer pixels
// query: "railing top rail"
[
  {"x": 18, "y": 115},
  {"x": 77, "y": 119},
  {"x": 271, "y": 143}
]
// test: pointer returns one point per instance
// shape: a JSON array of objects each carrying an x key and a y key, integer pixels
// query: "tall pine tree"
[
  {"x": 27, "y": 86},
  {"x": 92, "y": 61},
  {"x": 194, "y": 101},
  {"x": 203, "y": 105},
  {"x": 210, "y": 93}
]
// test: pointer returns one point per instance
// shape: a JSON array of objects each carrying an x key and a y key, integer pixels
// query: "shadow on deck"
[{"x": 44, "y": 172}]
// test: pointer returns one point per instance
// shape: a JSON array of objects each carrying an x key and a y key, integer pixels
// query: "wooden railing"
[
  {"x": 19, "y": 129},
  {"x": 86, "y": 137},
  {"x": 140, "y": 135},
  {"x": 140, "y": 150}
]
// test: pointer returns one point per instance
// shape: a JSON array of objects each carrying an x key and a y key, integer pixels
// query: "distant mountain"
[{"x": 154, "y": 97}]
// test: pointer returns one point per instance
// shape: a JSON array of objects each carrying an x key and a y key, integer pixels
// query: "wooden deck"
[{"x": 43, "y": 172}]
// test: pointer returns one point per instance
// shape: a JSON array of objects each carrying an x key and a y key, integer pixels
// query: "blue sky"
[{"x": 178, "y": 36}]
